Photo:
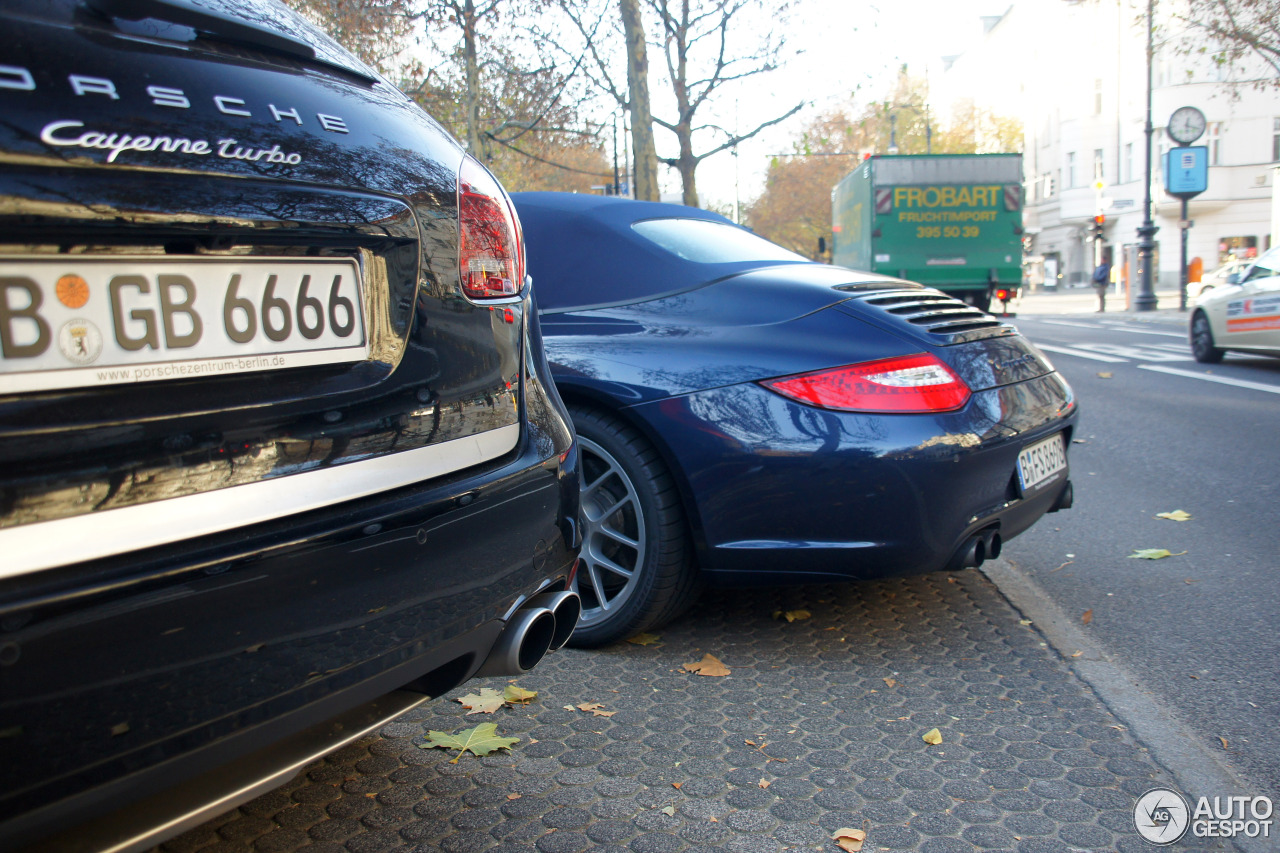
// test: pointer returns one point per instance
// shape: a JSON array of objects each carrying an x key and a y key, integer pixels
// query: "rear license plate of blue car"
[{"x": 1041, "y": 463}]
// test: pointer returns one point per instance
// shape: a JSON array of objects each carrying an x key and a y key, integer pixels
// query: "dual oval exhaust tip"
[
  {"x": 984, "y": 545},
  {"x": 544, "y": 624}
]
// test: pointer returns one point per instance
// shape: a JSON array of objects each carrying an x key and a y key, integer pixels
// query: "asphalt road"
[{"x": 1159, "y": 433}]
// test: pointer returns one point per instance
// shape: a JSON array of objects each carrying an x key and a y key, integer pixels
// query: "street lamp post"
[{"x": 1145, "y": 300}]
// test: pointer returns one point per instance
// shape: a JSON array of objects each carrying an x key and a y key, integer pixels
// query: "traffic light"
[{"x": 1095, "y": 230}]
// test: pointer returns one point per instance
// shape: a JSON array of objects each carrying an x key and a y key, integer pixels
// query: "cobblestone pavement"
[{"x": 818, "y": 726}]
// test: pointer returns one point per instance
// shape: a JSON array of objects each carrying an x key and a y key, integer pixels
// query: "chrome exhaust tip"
[
  {"x": 566, "y": 606},
  {"x": 522, "y": 643}
]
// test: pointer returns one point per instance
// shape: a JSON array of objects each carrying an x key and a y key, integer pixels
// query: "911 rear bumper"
[{"x": 786, "y": 493}]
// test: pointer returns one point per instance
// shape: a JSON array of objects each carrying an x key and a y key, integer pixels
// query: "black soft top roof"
[{"x": 583, "y": 252}]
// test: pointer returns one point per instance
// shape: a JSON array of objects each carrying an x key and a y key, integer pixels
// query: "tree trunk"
[
  {"x": 646, "y": 155},
  {"x": 473, "y": 80},
  {"x": 687, "y": 164}
]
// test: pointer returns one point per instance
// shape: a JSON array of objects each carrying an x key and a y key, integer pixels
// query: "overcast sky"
[{"x": 845, "y": 46}]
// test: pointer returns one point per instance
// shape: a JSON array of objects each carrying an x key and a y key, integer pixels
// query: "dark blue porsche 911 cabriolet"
[{"x": 747, "y": 416}]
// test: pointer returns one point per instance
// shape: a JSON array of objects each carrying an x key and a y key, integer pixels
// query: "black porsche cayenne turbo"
[{"x": 279, "y": 452}]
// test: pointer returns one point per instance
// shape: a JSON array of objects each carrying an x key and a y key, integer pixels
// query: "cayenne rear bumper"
[{"x": 131, "y": 675}]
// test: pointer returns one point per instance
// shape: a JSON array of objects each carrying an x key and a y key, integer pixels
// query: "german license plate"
[
  {"x": 75, "y": 321},
  {"x": 1041, "y": 463}
]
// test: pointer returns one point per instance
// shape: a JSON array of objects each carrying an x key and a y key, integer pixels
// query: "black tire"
[
  {"x": 637, "y": 569},
  {"x": 1202, "y": 346}
]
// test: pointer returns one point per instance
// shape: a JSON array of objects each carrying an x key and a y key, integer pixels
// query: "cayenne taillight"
[
  {"x": 910, "y": 383},
  {"x": 490, "y": 254}
]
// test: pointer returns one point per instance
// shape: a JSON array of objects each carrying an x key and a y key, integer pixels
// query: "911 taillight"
[
  {"x": 490, "y": 256},
  {"x": 911, "y": 383}
]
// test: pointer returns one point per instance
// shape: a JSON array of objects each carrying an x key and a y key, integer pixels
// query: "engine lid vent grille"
[{"x": 938, "y": 314}]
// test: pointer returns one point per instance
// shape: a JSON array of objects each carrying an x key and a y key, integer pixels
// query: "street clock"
[{"x": 1186, "y": 125}]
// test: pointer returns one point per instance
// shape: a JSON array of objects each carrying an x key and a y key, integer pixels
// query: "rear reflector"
[
  {"x": 490, "y": 254},
  {"x": 911, "y": 383}
]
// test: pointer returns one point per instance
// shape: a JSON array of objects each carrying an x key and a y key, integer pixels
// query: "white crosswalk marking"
[
  {"x": 1082, "y": 354},
  {"x": 1137, "y": 353},
  {"x": 1221, "y": 380}
]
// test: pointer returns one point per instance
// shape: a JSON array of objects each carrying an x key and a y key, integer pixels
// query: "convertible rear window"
[{"x": 705, "y": 242}]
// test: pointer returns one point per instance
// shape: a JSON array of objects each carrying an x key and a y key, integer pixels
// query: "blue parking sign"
[{"x": 1186, "y": 171}]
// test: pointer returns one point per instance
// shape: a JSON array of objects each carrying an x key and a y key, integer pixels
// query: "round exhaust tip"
[
  {"x": 522, "y": 643},
  {"x": 537, "y": 640},
  {"x": 567, "y": 607},
  {"x": 994, "y": 546}
]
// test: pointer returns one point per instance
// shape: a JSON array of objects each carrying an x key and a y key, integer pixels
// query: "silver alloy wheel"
[{"x": 613, "y": 535}]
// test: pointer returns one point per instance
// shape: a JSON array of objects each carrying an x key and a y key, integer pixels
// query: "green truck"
[{"x": 951, "y": 221}]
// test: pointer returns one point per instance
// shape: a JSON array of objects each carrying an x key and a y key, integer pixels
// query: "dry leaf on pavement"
[
  {"x": 1176, "y": 515},
  {"x": 849, "y": 839},
  {"x": 644, "y": 639},
  {"x": 595, "y": 709},
  {"x": 891, "y": 682},
  {"x": 1224, "y": 742},
  {"x": 792, "y": 615},
  {"x": 481, "y": 740},
  {"x": 932, "y": 736},
  {"x": 1153, "y": 554},
  {"x": 1105, "y": 375},
  {"x": 709, "y": 665},
  {"x": 514, "y": 694},
  {"x": 1087, "y": 617},
  {"x": 486, "y": 701}
]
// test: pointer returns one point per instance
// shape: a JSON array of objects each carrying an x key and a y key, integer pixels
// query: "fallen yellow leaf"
[
  {"x": 891, "y": 682},
  {"x": 1224, "y": 742},
  {"x": 1153, "y": 554},
  {"x": 595, "y": 709},
  {"x": 1105, "y": 375},
  {"x": 486, "y": 701},
  {"x": 1176, "y": 515},
  {"x": 514, "y": 693},
  {"x": 792, "y": 615},
  {"x": 932, "y": 736},
  {"x": 644, "y": 639},
  {"x": 709, "y": 665},
  {"x": 764, "y": 783},
  {"x": 849, "y": 839}
]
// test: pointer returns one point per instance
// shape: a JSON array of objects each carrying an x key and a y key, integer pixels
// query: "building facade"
[{"x": 1076, "y": 76}]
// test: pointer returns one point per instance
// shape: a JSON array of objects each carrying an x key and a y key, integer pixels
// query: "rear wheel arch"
[
  {"x": 576, "y": 398},
  {"x": 637, "y": 568}
]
